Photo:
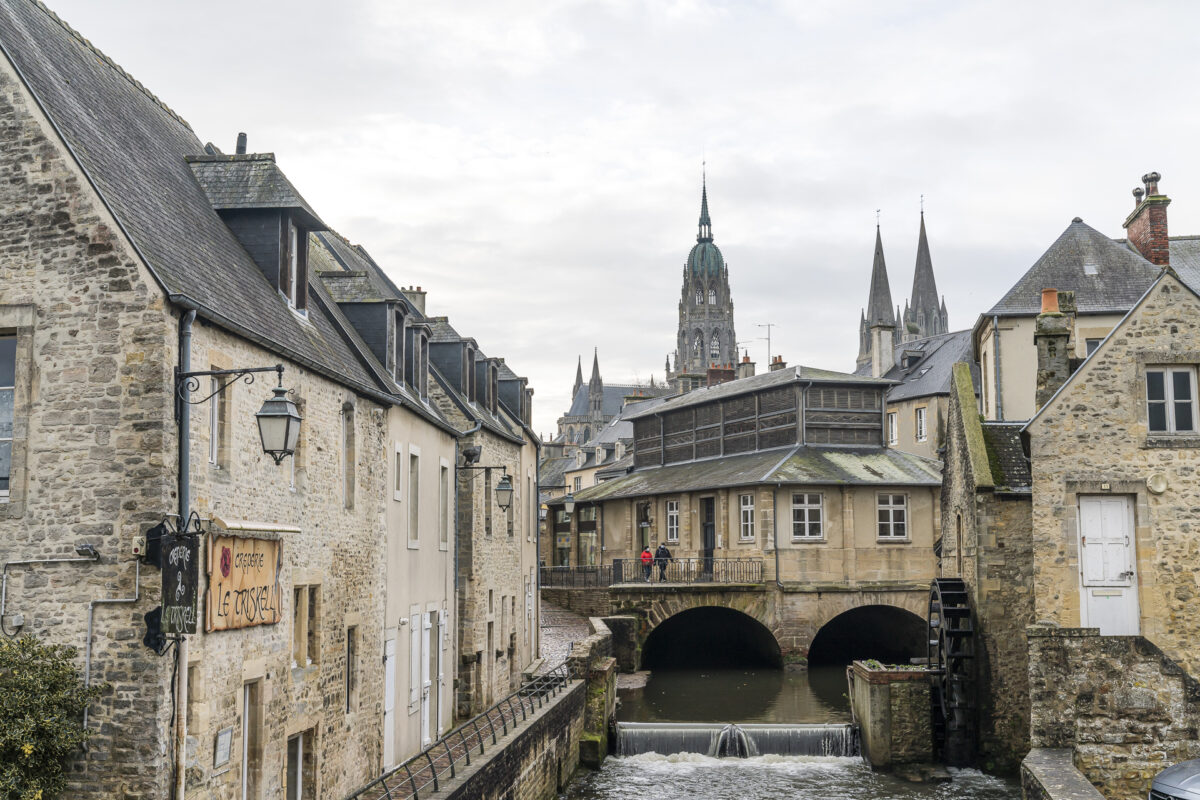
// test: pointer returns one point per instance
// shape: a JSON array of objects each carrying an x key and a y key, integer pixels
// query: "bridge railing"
[
  {"x": 689, "y": 570},
  {"x": 426, "y": 772},
  {"x": 577, "y": 577}
]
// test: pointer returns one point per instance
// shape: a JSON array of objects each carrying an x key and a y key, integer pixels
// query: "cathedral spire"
[
  {"x": 879, "y": 302},
  {"x": 925, "y": 315},
  {"x": 578, "y": 377},
  {"x": 705, "y": 234},
  {"x": 595, "y": 366}
]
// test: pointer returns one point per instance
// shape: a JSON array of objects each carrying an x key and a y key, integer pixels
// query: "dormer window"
[
  {"x": 493, "y": 387},
  {"x": 421, "y": 378},
  {"x": 398, "y": 337},
  {"x": 468, "y": 381},
  {"x": 293, "y": 266}
]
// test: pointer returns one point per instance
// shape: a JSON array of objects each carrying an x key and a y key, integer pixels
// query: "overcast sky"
[{"x": 535, "y": 166}]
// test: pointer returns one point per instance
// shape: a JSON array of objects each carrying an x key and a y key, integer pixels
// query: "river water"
[{"x": 758, "y": 696}]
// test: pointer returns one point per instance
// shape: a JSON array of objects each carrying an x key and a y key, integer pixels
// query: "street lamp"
[
  {"x": 569, "y": 504},
  {"x": 504, "y": 493},
  {"x": 504, "y": 489},
  {"x": 278, "y": 425}
]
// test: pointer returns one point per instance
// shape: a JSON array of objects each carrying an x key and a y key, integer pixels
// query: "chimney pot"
[
  {"x": 241, "y": 144},
  {"x": 1151, "y": 180},
  {"x": 1049, "y": 301},
  {"x": 1137, "y": 196}
]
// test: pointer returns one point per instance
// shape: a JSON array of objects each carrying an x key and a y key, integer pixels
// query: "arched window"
[
  {"x": 697, "y": 347},
  {"x": 699, "y": 297},
  {"x": 714, "y": 348},
  {"x": 712, "y": 297}
]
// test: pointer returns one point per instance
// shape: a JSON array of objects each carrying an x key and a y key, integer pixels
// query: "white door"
[
  {"x": 1107, "y": 566},
  {"x": 426, "y": 628},
  {"x": 440, "y": 687},
  {"x": 389, "y": 703}
]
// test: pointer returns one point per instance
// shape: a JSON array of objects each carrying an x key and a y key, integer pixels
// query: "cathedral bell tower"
[{"x": 706, "y": 337}]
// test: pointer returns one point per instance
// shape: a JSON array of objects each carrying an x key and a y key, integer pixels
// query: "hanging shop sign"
[
  {"x": 243, "y": 583},
  {"x": 180, "y": 582},
  {"x": 563, "y": 539}
]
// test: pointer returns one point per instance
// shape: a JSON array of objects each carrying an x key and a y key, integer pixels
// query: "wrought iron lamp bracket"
[{"x": 188, "y": 382}]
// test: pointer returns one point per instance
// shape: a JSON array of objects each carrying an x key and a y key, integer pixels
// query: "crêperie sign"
[{"x": 243, "y": 583}]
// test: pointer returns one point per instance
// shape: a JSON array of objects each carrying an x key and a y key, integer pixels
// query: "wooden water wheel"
[{"x": 952, "y": 660}]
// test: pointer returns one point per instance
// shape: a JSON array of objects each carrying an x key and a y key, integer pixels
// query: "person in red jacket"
[{"x": 647, "y": 562}]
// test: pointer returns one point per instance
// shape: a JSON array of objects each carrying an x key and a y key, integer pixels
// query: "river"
[{"x": 757, "y": 696}]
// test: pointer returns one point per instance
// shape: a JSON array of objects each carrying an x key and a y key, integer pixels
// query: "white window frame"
[
  {"x": 4, "y": 493},
  {"x": 414, "y": 659},
  {"x": 893, "y": 428},
  {"x": 1168, "y": 402},
  {"x": 673, "y": 521},
  {"x": 804, "y": 503},
  {"x": 891, "y": 503},
  {"x": 298, "y": 777},
  {"x": 398, "y": 472},
  {"x": 746, "y": 517},
  {"x": 414, "y": 497},
  {"x": 214, "y": 422},
  {"x": 444, "y": 513},
  {"x": 922, "y": 423}
]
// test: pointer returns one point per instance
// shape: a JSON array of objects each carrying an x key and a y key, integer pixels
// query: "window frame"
[
  {"x": 414, "y": 497},
  {"x": 11, "y": 388},
  {"x": 893, "y": 428},
  {"x": 921, "y": 423},
  {"x": 444, "y": 506},
  {"x": 746, "y": 529},
  {"x": 886, "y": 502},
  {"x": 672, "y": 518},
  {"x": 806, "y": 506},
  {"x": 1168, "y": 402}
]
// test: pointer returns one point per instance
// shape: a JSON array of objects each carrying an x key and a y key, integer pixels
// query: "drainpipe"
[
  {"x": 996, "y": 361},
  {"x": 185, "y": 501}
]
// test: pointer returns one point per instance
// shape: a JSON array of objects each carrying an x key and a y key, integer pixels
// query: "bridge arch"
[
  {"x": 710, "y": 636},
  {"x": 889, "y": 633}
]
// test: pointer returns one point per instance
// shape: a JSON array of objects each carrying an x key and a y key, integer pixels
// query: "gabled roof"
[
  {"x": 350, "y": 275},
  {"x": 1106, "y": 276},
  {"x": 798, "y": 465},
  {"x": 932, "y": 374},
  {"x": 756, "y": 383},
  {"x": 249, "y": 181},
  {"x": 133, "y": 149},
  {"x": 552, "y": 470},
  {"x": 1006, "y": 456}
]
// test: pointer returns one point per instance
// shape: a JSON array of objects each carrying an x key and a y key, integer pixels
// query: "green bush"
[{"x": 41, "y": 704}]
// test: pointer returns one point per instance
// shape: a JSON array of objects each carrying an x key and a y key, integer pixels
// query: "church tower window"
[
  {"x": 714, "y": 347},
  {"x": 699, "y": 297},
  {"x": 697, "y": 347},
  {"x": 712, "y": 297}
]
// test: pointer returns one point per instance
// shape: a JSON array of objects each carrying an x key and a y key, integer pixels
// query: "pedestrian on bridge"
[
  {"x": 647, "y": 563},
  {"x": 662, "y": 557}
]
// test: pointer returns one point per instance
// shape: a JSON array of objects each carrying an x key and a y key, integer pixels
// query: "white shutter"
[
  {"x": 389, "y": 703},
  {"x": 414, "y": 658}
]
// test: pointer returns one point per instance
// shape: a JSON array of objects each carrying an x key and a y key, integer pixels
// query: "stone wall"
[
  {"x": 1050, "y": 774},
  {"x": 593, "y": 601},
  {"x": 891, "y": 708},
  {"x": 95, "y": 345},
  {"x": 1123, "y": 707},
  {"x": 592, "y": 659}
]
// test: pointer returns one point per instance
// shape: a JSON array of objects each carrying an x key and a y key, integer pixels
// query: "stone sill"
[
  {"x": 882, "y": 676},
  {"x": 1171, "y": 441},
  {"x": 1053, "y": 771},
  {"x": 857, "y": 586}
]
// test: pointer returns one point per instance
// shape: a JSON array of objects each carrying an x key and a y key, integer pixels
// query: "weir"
[{"x": 736, "y": 741}]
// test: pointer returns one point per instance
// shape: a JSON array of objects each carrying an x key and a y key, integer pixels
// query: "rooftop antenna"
[{"x": 768, "y": 326}]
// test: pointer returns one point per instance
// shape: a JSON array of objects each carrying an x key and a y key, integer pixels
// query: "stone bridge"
[{"x": 767, "y": 623}]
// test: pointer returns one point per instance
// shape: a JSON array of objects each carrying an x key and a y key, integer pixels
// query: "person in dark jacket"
[
  {"x": 662, "y": 557},
  {"x": 647, "y": 563}
]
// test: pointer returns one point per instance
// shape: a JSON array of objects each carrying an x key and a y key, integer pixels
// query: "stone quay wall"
[
  {"x": 1124, "y": 708},
  {"x": 591, "y": 601},
  {"x": 891, "y": 708}
]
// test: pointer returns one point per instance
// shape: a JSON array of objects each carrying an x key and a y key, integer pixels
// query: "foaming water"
[{"x": 650, "y": 776}]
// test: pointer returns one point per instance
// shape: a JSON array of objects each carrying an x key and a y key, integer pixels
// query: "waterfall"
[{"x": 736, "y": 741}]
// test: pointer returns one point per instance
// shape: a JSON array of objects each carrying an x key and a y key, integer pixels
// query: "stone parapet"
[
  {"x": 891, "y": 708},
  {"x": 1050, "y": 774}
]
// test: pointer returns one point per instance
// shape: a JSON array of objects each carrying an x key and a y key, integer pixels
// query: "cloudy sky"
[{"x": 535, "y": 166}]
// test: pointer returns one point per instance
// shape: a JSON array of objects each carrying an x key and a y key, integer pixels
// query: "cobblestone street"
[{"x": 559, "y": 628}]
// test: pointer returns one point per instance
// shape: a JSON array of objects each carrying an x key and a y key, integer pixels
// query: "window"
[
  {"x": 806, "y": 515},
  {"x": 306, "y": 623},
  {"x": 1092, "y": 344},
  {"x": 398, "y": 336},
  {"x": 351, "y": 668},
  {"x": 1171, "y": 399},
  {"x": 578, "y": 483},
  {"x": 672, "y": 520},
  {"x": 216, "y": 420},
  {"x": 699, "y": 297},
  {"x": 398, "y": 482},
  {"x": 697, "y": 347},
  {"x": 8, "y": 382},
  {"x": 414, "y": 495},
  {"x": 487, "y": 502},
  {"x": 893, "y": 516},
  {"x": 893, "y": 432},
  {"x": 301, "y": 763},
  {"x": 920, "y": 423},
  {"x": 348, "y": 455},
  {"x": 746, "y": 503},
  {"x": 252, "y": 740},
  {"x": 444, "y": 506},
  {"x": 714, "y": 348},
  {"x": 293, "y": 267},
  {"x": 712, "y": 297}
]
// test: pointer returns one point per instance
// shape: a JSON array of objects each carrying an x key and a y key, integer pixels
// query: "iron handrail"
[
  {"x": 427, "y": 770},
  {"x": 576, "y": 577},
  {"x": 688, "y": 570}
]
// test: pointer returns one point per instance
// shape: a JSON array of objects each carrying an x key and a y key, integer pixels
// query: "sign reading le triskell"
[{"x": 243, "y": 583}]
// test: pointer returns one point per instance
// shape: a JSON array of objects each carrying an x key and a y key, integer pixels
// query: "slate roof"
[
  {"x": 250, "y": 181},
  {"x": 1105, "y": 275},
  {"x": 612, "y": 400},
  {"x": 788, "y": 465},
  {"x": 933, "y": 373},
  {"x": 1185, "y": 258},
  {"x": 757, "y": 383},
  {"x": 616, "y": 469},
  {"x": 879, "y": 302},
  {"x": 350, "y": 275},
  {"x": 620, "y": 427},
  {"x": 551, "y": 471},
  {"x": 442, "y": 331},
  {"x": 134, "y": 149},
  {"x": 1006, "y": 455}
]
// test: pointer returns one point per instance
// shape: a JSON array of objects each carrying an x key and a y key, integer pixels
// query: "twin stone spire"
[{"x": 881, "y": 328}]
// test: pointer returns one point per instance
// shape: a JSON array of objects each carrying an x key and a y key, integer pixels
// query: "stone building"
[
  {"x": 706, "y": 335},
  {"x": 594, "y": 405},
  {"x": 881, "y": 327},
  {"x": 497, "y": 547},
  {"x": 787, "y": 467},
  {"x": 917, "y": 404}
]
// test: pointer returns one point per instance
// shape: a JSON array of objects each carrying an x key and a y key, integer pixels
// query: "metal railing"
[
  {"x": 426, "y": 772},
  {"x": 576, "y": 577},
  {"x": 689, "y": 570}
]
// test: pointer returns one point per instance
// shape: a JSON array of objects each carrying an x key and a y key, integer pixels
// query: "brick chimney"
[
  {"x": 1051, "y": 336},
  {"x": 416, "y": 296},
  {"x": 777, "y": 363},
  {"x": 720, "y": 373},
  {"x": 746, "y": 368},
  {"x": 1146, "y": 226}
]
